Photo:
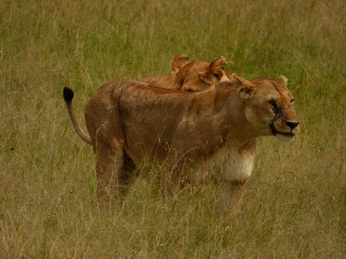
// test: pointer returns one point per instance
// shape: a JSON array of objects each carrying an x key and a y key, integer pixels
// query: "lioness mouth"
[{"x": 275, "y": 131}]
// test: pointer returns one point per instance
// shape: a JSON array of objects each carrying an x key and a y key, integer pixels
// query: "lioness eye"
[
  {"x": 216, "y": 75},
  {"x": 292, "y": 100},
  {"x": 275, "y": 106},
  {"x": 272, "y": 102}
]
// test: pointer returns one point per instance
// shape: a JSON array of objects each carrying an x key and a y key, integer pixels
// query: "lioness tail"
[{"x": 68, "y": 96}]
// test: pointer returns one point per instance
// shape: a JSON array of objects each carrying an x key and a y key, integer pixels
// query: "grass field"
[{"x": 295, "y": 204}]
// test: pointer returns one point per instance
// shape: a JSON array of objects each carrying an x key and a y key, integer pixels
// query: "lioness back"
[{"x": 132, "y": 106}]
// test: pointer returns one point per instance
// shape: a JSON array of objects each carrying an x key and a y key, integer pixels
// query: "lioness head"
[
  {"x": 200, "y": 75},
  {"x": 269, "y": 105}
]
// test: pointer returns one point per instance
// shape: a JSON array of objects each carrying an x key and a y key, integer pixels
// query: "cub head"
[
  {"x": 269, "y": 106},
  {"x": 199, "y": 75}
]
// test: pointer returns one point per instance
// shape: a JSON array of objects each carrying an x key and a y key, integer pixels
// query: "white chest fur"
[{"x": 234, "y": 163}]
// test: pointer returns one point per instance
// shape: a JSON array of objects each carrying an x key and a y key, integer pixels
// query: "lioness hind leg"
[{"x": 109, "y": 168}]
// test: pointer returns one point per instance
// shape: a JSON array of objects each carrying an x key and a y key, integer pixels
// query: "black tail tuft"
[{"x": 68, "y": 94}]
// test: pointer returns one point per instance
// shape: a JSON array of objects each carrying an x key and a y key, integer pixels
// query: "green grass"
[{"x": 295, "y": 204}]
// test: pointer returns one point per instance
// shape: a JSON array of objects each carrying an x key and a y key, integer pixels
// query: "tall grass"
[{"x": 295, "y": 205}]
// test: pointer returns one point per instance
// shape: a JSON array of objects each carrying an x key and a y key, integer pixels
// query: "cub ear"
[
  {"x": 283, "y": 80},
  {"x": 178, "y": 62},
  {"x": 214, "y": 72},
  {"x": 245, "y": 87},
  {"x": 217, "y": 65}
]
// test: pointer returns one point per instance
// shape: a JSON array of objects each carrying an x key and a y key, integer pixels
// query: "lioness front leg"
[{"x": 231, "y": 194}]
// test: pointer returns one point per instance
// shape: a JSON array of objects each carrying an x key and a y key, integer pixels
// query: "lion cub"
[{"x": 192, "y": 76}]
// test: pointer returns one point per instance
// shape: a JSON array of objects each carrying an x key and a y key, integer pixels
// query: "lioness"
[
  {"x": 215, "y": 128},
  {"x": 192, "y": 76}
]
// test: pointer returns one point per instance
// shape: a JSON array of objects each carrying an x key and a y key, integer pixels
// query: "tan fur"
[
  {"x": 178, "y": 62},
  {"x": 204, "y": 131},
  {"x": 192, "y": 76}
]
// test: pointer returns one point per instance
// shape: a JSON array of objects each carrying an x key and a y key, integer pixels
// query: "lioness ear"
[
  {"x": 217, "y": 65},
  {"x": 178, "y": 62},
  {"x": 283, "y": 80},
  {"x": 245, "y": 87}
]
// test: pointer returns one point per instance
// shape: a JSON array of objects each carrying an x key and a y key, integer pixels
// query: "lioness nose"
[{"x": 292, "y": 124}]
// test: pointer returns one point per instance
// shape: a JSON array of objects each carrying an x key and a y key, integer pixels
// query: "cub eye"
[
  {"x": 292, "y": 100},
  {"x": 217, "y": 76}
]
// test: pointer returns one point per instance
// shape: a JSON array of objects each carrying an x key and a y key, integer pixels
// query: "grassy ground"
[{"x": 295, "y": 205}]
